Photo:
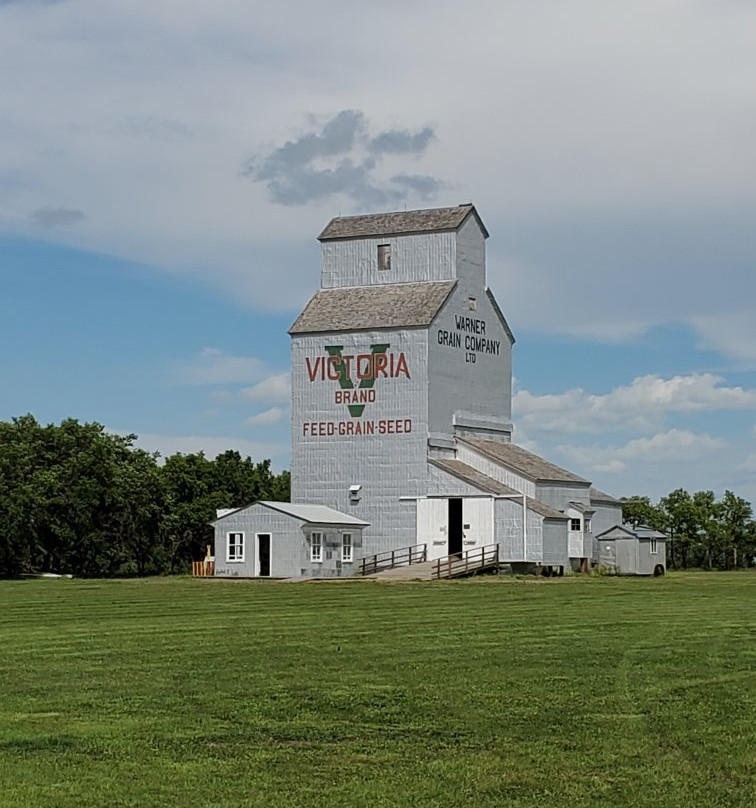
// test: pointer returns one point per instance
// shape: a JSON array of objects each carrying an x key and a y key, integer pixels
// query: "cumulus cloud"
[
  {"x": 341, "y": 157},
  {"x": 57, "y": 217},
  {"x": 271, "y": 416},
  {"x": 672, "y": 446},
  {"x": 213, "y": 366},
  {"x": 641, "y": 405},
  {"x": 273, "y": 389}
]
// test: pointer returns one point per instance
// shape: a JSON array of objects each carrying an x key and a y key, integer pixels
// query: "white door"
[
  {"x": 477, "y": 522},
  {"x": 432, "y": 526}
]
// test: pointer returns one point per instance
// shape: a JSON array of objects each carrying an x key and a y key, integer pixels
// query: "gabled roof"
[
  {"x": 600, "y": 496},
  {"x": 520, "y": 460},
  {"x": 581, "y": 507},
  {"x": 433, "y": 220},
  {"x": 637, "y": 532},
  {"x": 500, "y": 315},
  {"x": 311, "y": 514},
  {"x": 488, "y": 484},
  {"x": 355, "y": 308}
]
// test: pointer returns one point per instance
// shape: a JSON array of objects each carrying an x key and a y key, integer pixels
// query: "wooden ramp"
[
  {"x": 422, "y": 571},
  {"x": 390, "y": 559},
  {"x": 481, "y": 559}
]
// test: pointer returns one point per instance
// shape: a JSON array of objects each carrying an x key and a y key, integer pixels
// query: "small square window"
[
  {"x": 346, "y": 548},
  {"x": 575, "y": 524},
  {"x": 384, "y": 256},
  {"x": 472, "y": 303},
  {"x": 235, "y": 547},
  {"x": 316, "y": 547}
]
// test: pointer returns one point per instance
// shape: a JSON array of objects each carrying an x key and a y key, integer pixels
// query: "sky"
[{"x": 166, "y": 167}]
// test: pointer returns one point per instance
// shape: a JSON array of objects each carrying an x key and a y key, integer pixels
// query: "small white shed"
[
  {"x": 286, "y": 540},
  {"x": 632, "y": 550}
]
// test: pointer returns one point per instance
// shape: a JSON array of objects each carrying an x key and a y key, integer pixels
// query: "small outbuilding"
[
  {"x": 286, "y": 540},
  {"x": 632, "y": 550}
]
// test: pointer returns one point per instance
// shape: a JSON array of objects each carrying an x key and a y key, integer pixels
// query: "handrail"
[
  {"x": 469, "y": 562},
  {"x": 393, "y": 558}
]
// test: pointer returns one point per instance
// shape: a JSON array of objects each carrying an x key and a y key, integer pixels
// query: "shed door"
[{"x": 263, "y": 555}]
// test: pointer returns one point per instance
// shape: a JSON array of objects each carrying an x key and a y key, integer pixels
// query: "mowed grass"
[{"x": 489, "y": 692}]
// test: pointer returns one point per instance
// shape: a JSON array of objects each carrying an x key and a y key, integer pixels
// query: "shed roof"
[
  {"x": 400, "y": 223},
  {"x": 526, "y": 463},
  {"x": 311, "y": 514},
  {"x": 355, "y": 308},
  {"x": 488, "y": 484},
  {"x": 638, "y": 532}
]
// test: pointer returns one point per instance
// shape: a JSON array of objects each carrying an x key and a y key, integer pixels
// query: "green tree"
[{"x": 639, "y": 510}]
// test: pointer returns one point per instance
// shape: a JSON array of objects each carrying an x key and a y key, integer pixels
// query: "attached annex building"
[{"x": 401, "y": 373}]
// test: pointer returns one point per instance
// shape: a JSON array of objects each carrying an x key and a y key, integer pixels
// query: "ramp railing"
[
  {"x": 393, "y": 558},
  {"x": 468, "y": 563}
]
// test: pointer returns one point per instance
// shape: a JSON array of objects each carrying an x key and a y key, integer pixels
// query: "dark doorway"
[
  {"x": 263, "y": 554},
  {"x": 455, "y": 527}
]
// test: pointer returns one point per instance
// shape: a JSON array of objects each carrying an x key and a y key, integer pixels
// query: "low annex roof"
[
  {"x": 312, "y": 514},
  {"x": 400, "y": 223},
  {"x": 390, "y": 305},
  {"x": 522, "y": 461},
  {"x": 485, "y": 483},
  {"x": 600, "y": 496}
]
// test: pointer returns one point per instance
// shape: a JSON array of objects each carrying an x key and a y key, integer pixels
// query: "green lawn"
[{"x": 489, "y": 692}]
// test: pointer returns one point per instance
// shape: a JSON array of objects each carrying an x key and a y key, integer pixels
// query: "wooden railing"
[
  {"x": 203, "y": 569},
  {"x": 393, "y": 558},
  {"x": 467, "y": 563}
]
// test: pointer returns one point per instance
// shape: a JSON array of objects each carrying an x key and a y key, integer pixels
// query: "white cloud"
[
  {"x": 213, "y": 366},
  {"x": 641, "y": 405},
  {"x": 628, "y": 137},
  {"x": 673, "y": 446},
  {"x": 731, "y": 333},
  {"x": 271, "y": 416},
  {"x": 274, "y": 389}
]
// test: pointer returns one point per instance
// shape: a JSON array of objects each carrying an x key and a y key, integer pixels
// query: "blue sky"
[{"x": 165, "y": 169}]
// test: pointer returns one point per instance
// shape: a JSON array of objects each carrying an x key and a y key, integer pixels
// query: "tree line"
[
  {"x": 702, "y": 531},
  {"x": 77, "y": 499}
]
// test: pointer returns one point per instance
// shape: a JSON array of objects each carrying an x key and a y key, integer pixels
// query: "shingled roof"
[
  {"x": 485, "y": 483},
  {"x": 391, "y": 305},
  {"x": 600, "y": 496},
  {"x": 527, "y": 463},
  {"x": 399, "y": 224}
]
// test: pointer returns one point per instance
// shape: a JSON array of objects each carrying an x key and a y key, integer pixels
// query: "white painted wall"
[
  {"x": 467, "y": 454},
  {"x": 414, "y": 258},
  {"x": 327, "y": 459}
]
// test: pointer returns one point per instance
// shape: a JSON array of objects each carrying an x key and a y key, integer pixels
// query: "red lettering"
[
  {"x": 380, "y": 362},
  {"x": 401, "y": 366},
  {"x": 334, "y": 368},
  {"x": 313, "y": 370},
  {"x": 365, "y": 366}
]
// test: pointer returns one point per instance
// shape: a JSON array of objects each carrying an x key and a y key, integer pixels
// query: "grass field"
[{"x": 489, "y": 692}]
